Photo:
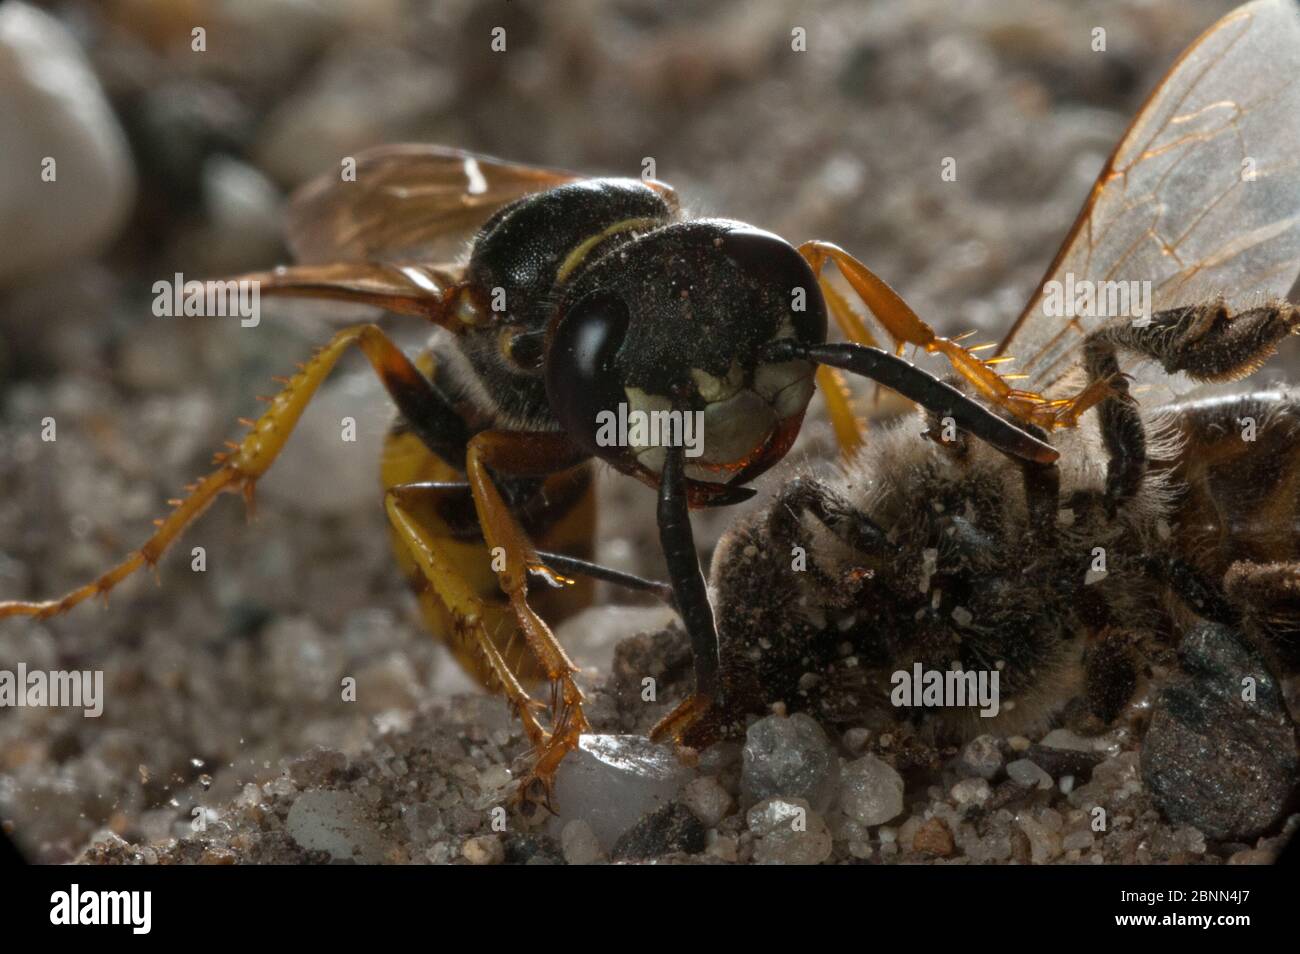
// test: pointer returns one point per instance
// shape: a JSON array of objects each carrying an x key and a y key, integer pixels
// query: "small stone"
[
  {"x": 791, "y": 757},
  {"x": 971, "y": 791},
  {"x": 872, "y": 792},
  {"x": 1065, "y": 739},
  {"x": 55, "y": 109},
  {"x": 336, "y": 823},
  {"x": 612, "y": 781},
  {"x": 933, "y": 838},
  {"x": 484, "y": 850},
  {"x": 1078, "y": 840},
  {"x": 579, "y": 844},
  {"x": 982, "y": 757},
  {"x": 1026, "y": 773},
  {"x": 673, "y": 828},
  {"x": 1210, "y": 758},
  {"x": 1044, "y": 844},
  {"x": 788, "y": 832},
  {"x": 708, "y": 800},
  {"x": 855, "y": 740},
  {"x": 724, "y": 847}
]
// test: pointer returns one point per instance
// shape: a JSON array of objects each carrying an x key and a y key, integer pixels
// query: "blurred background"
[{"x": 177, "y": 159}]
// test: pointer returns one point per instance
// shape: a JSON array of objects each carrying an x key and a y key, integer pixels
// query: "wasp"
[
  {"x": 579, "y": 297},
  {"x": 1174, "y": 504}
]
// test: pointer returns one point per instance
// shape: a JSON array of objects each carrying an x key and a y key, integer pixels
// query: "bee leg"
[
  {"x": 248, "y": 460},
  {"x": 906, "y": 327},
  {"x": 693, "y": 717},
  {"x": 528, "y": 455},
  {"x": 807, "y": 495},
  {"x": 1268, "y": 596},
  {"x": 1206, "y": 341}
]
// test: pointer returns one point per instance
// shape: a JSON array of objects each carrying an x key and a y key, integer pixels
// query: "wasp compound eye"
[
  {"x": 773, "y": 263},
  {"x": 582, "y": 377}
]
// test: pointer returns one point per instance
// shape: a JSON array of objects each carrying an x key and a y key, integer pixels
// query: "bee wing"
[
  {"x": 407, "y": 203},
  {"x": 1201, "y": 197}
]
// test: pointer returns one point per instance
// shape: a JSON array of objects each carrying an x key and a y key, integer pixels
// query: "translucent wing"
[
  {"x": 407, "y": 203},
  {"x": 1201, "y": 196}
]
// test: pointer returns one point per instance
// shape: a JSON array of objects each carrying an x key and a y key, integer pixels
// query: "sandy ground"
[{"x": 222, "y": 685}]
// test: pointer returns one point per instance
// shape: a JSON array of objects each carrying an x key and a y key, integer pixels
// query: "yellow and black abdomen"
[
  {"x": 558, "y": 514},
  {"x": 1238, "y": 476}
]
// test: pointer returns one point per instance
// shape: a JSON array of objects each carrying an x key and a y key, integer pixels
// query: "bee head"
[{"x": 662, "y": 340}]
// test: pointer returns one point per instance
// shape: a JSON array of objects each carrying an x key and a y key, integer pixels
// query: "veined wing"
[{"x": 1200, "y": 198}]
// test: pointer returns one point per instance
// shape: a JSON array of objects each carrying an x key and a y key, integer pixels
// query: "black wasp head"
[{"x": 667, "y": 331}]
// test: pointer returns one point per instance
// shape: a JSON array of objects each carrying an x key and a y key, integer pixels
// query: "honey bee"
[
  {"x": 579, "y": 299},
  {"x": 1174, "y": 504}
]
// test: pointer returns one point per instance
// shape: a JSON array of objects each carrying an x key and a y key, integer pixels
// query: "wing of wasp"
[
  {"x": 406, "y": 203},
  {"x": 1201, "y": 197}
]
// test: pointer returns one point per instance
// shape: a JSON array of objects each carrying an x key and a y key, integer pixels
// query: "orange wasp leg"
[
  {"x": 463, "y": 604},
  {"x": 252, "y": 457},
  {"x": 528, "y": 455},
  {"x": 906, "y": 327}
]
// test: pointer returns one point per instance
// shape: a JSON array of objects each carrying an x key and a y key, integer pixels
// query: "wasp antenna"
[{"x": 922, "y": 387}]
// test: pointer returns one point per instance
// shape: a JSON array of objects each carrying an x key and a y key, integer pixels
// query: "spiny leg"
[
  {"x": 906, "y": 327},
  {"x": 527, "y": 455},
  {"x": 248, "y": 460},
  {"x": 466, "y": 608}
]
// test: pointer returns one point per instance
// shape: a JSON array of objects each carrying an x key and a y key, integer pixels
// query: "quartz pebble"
[
  {"x": 579, "y": 844},
  {"x": 872, "y": 792},
  {"x": 708, "y": 800},
  {"x": 612, "y": 781},
  {"x": 789, "y": 756},
  {"x": 788, "y": 832}
]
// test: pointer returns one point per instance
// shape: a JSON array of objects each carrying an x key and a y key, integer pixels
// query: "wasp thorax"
[{"x": 660, "y": 343}]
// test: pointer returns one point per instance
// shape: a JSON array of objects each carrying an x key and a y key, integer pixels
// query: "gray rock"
[
  {"x": 55, "y": 109},
  {"x": 789, "y": 756},
  {"x": 336, "y": 823},
  {"x": 673, "y": 828},
  {"x": 611, "y": 781},
  {"x": 1210, "y": 759},
  {"x": 1026, "y": 773},
  {"x": 872, "y": 792}
]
